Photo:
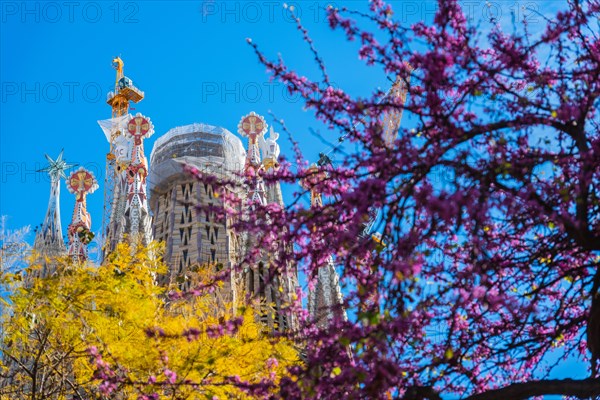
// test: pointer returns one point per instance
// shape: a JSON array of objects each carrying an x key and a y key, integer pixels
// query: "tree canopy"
[
  {"x": 110, "y": 331},
  {"x": 475, "y": 280}
]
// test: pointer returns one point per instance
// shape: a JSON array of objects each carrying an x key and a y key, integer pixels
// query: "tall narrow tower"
[
  {"x": 391, "y": 125},
  {"x": 81, "y": 183},
  {"x": 49, "y": 241},
  {"x": 136, "y": 224},
  {"x": 253, "y": 126},
  {"x": 325, "y": 300},
  {"x": 119, "y": 155},
  {"x": 274, "y": 289},
  {"x": 392, "y": 118}
]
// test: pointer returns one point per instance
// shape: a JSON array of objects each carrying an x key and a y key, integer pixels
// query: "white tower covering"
[{"x": 116, "y": 183}]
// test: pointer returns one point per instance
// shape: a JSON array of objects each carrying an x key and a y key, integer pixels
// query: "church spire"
[
  {"x": 253, "y": 126},
  {"x": 136, "y": 222},
  {"x": 49, "y": 241},
  {"x": 274, "y": 289},
  {"x": 325, "y": 299},
  {"x": 81, "y": 183}
]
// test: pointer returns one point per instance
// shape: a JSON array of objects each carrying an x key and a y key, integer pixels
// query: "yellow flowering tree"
[{"x": 109, "y": 331}]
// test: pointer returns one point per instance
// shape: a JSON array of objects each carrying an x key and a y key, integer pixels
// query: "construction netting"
[
  {"x": 209, "y": 148},
  {"x": 121, "y": 144}
]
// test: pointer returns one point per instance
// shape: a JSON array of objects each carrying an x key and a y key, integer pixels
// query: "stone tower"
[
  {"x": 274, "y": 290},
  {"x": 181, "y": 204},
  {"x": 116, "y": 182},
  {"x": 325, "y": 299},
  {"x": 136, "y": 222},
  {"x": 49, "y": 242},
  {"x": 194, "y": 238},
  {"x": 81, "y": 183},
  {"x": 270, "y": 151}
]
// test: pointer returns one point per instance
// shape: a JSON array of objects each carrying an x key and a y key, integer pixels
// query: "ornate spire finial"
[
  {"x": 252, "y": 126},
  {"x": 81, "y": 183}
]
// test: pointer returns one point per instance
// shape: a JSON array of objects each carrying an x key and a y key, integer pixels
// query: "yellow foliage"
[{"x": 54, "y": 321}]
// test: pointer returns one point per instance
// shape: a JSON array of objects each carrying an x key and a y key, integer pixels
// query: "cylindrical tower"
[{"x": 193, "y": 237}]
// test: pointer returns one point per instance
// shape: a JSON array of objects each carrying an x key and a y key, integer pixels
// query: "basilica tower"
[
  {"x": 49, "y": 242},
  {"x": 182, "y": 206},
  {"x": 273, "y": 289}
]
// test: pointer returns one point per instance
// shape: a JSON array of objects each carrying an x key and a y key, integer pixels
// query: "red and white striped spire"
[
  {"x": 81, "y": 183},
  {"x": 136, "y": 218}
]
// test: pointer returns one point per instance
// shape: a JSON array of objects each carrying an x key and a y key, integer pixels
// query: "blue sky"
[{"x": 190, "y": 58}]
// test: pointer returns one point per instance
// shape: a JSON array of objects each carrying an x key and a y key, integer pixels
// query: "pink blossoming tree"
[
  {"x": 474, "y": 283},
  {"x": 502, "y": 262}
]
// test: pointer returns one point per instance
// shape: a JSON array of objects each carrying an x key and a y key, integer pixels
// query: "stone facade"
[{"x": 183, "y": 207}]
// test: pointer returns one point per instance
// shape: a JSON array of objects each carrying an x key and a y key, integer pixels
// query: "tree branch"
[
  {"x": 567, "y": 387},
  {"x": 421, "y": 393}
]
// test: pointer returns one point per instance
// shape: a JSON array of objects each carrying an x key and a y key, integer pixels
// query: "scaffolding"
[
  {"x": 118, "y": 157},
  {"x": 209, "y": 148}
]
